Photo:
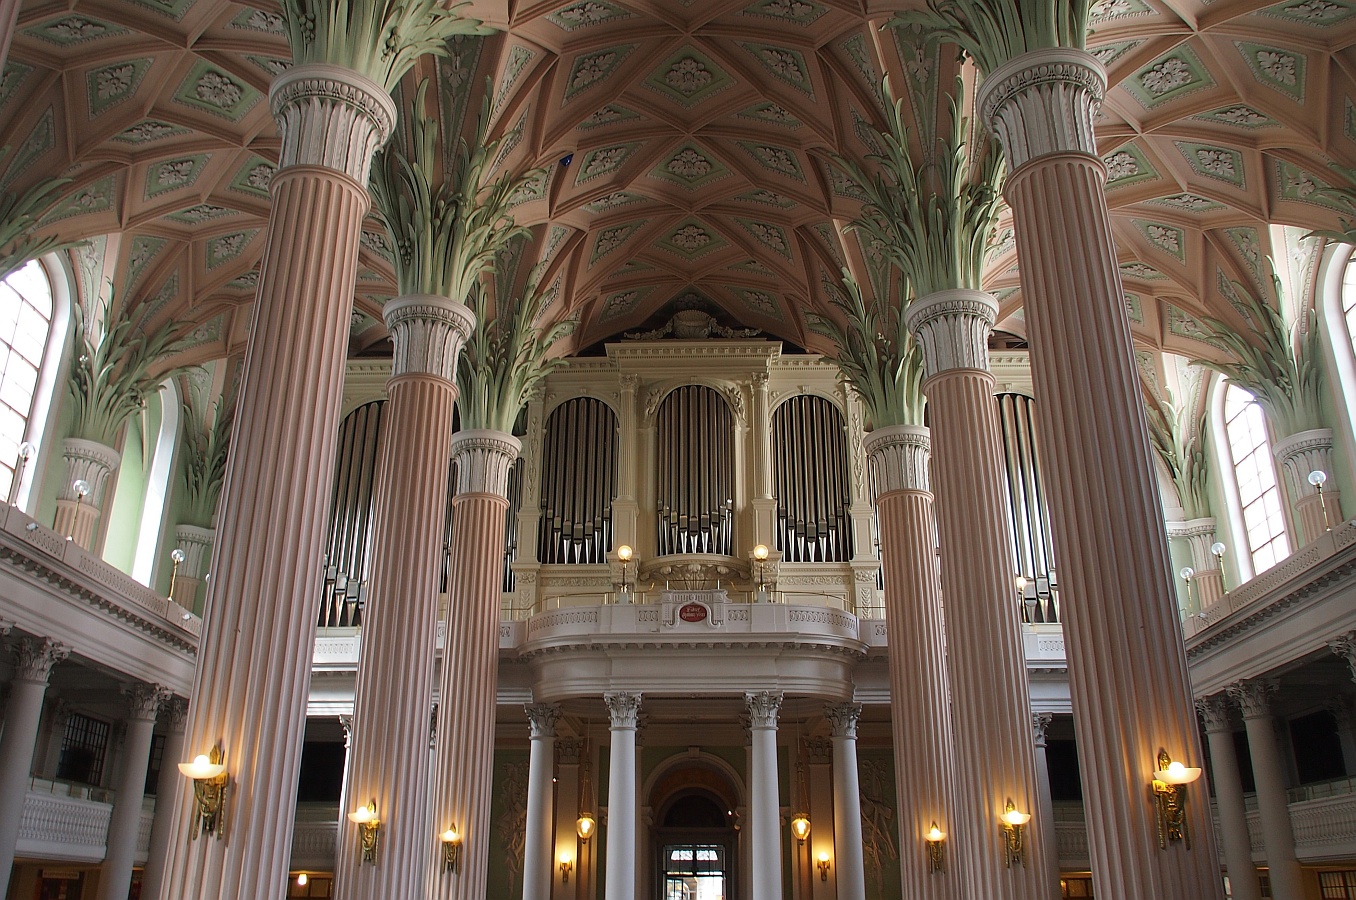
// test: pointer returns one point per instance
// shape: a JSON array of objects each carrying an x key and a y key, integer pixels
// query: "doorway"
[{"x": 696, "y": 843}]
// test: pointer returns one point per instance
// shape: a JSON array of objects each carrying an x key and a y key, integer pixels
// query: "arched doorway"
[{"x": 695, "y": 837}]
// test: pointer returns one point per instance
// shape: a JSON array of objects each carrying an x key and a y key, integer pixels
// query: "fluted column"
[
  {"x": 1200, "y": 537},
  {"x": 619, "y": 882},
  {"x": 920, "y": 693},
  {"x": 175, "y": 710},
  {"x": 124, "y": 824},
  {"x": 765, "y": 839},
  {"x": 538, "y": 855},
  {"x": 1299, "y": 455},
  {"x": 990, "y": 698},
  {"x": 196, "y": 544},
  {"x": 33, "y": 660},
  {"x": 1233, "y": 815},
  {"x": 94, "y": 464},
  {"x": 847, "y": 801},
  {"x": 388, "y": 760},
  {"x": 463, "y": 751},
  {"x": 1127, "y": 667},
  {"x": 254, "y": 661},
  {"x": 1045, "y": 801},
  {"x": 1278, "y": 837}
]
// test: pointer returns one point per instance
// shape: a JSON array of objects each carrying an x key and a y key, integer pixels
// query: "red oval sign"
[{"x": 693, "y": 612}]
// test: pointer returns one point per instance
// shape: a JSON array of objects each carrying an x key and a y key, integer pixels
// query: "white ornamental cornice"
[
  {"x": 331, "y": 117},
  {"x": 843, "y": 719},
  {"x": 899, "y": 457},
  {"x": 1044, "y": 102},
  {"x": 624, "y": 709},
  {"x": 763, "y": 708},
  {"x": 484, "y": 457},
  {"x": 35, "y": 657},
  {"x": 952, "y": 329},
  {"x": 428, "y": 332}
]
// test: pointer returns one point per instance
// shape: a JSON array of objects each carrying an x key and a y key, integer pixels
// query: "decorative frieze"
[
  {"x": 899, "y": 456},
  {"x": 331, "y": 117},
  {"x": 484, "y": 458},
  {"x": 1044, "y": 102},
  {"x": 427, "y": 331},
  {"x": 952, "y": 329}
]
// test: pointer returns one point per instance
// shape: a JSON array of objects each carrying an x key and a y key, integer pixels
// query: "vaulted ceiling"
[{"x": 685, "y": 146}]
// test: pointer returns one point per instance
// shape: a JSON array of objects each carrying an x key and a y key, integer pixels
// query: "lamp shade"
[
  {"x": 202, "y": 768},
  {"x": 800, "y": 826},
  {"x": 585, "y": 826},
  {"x": 1176, "y": 773},
  {"x": 1014, "y": 817}
]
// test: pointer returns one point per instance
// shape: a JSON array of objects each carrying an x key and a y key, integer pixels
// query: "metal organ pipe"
[
  {"x": 579, "y": 482},
  {"x": 695, "y": 472},
  {"x": 347, "y": 560},
  {"x": 1033, "y": 554},
  {"x": 810, "y": 481}
]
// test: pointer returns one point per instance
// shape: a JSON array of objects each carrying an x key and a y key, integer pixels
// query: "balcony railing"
[{"x": 69, "y": 822}]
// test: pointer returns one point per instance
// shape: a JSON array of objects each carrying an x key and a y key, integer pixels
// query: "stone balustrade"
[{"x": 69, "y": 822}]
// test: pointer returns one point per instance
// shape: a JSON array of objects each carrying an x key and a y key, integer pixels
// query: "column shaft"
[
  {"x": 35, "y": 659},
  {"x": 538, "y": 848},
  {"x": 162, "y": 823},
  {"x": 1045, "y": 802},
  {"x": 463, "y": 755},
  {"x": 254, "y": 660},
  {"x": 1233, "y": 815},
  {"x": 920, "y": 700},
  {"x": 124, "y": 825},
  {"x": 619, "y": 882},
  {"x": 1278, "y": 836},
  {"x": 1127, "y": 667},
  {"x": 847, "y": 803},
  {"x": 765, "y": 843},
  {"x": 991, "y": 705},
  {"x": 388, "y": 755}
]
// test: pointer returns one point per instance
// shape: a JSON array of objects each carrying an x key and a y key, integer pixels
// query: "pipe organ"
[
  {"x": 810, "y": 481},
  {"x": 694, "y": 472},
  {"x": 347, "y": 557},
  {"x": 1033, "y": 556},
  {"x": 578, "y": 483}
]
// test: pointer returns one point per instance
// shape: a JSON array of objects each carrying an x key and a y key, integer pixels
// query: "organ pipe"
[
  {"x": 695, "y": 472},
  {"x": 810, "y": 481},
  {"x": 579, "y": 482},
  {"x": 348, "y": 550},
  {"x": 1033, "y": 556}
]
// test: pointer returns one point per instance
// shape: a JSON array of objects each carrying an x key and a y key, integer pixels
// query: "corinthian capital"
[
  {"x": 428, "y": 332},
  {"x": 1254, "y": 697},
  {"x": 483, "y": 458},
  {"x": 34, "y": 658},
  {"x": 899, "y": 456},
  {"x": 843, "y": 719},
  {"x": 1044, "y": 102},
  {"x": 542, "y": 718},
  {"x": 1215, "y": 713},
  {"x": 144, "y": 700},
  {"x": 952, "y": 329},
  {"x": 763, "y": 708},
  {"x": 331, "y": 117},
  {"x": 623, "y": 707}
]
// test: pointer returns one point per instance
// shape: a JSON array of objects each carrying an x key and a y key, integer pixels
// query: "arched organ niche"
[
  {"x": 349, "y": 549},
  {"x": 1033, "y": 555},
  {"x": 810, "y": 481},
  {"x": 694, "y": 494},
  {"x": 578, "y": 482}
]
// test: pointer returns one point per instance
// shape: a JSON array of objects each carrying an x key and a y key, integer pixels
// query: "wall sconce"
[
  {"x": 451, "y": 839},
  {"x": 177, "y": 556},
  {"x": 800, "y": 826},
  {"x": 624, "y": 553},
  {"x": 1318, "y": 478},
  {"x": 303, "y": 879},
  {"x": 26, "y": 452},
  {"x": 936, "y": 843},
  {"x": 81, "y": 489},
  {"x": 1217, "y": 550},
  {"x": 823, "y": 865},
  {"x": 1169, "y": 788},
  {"x": 585, "y": 825},
  {"x": 1014, "y": 850},
  {"x": 208, "y": 773},
  {"x": 566, "y": 864},
  {"x": 369, "y": 826}
]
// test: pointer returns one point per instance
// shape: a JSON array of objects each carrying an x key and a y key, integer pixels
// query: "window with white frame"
[
  {"x": 1258, "y": 494},
  {"x": 25, "y": 325},
  {"x": 1349, "y": 301}
]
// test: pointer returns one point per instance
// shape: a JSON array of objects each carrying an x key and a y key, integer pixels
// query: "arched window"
[
  {"x": 1259, "y": 497},
  {"x": 1348, "y": 301},
  {"x": 25, "y": 328}
]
